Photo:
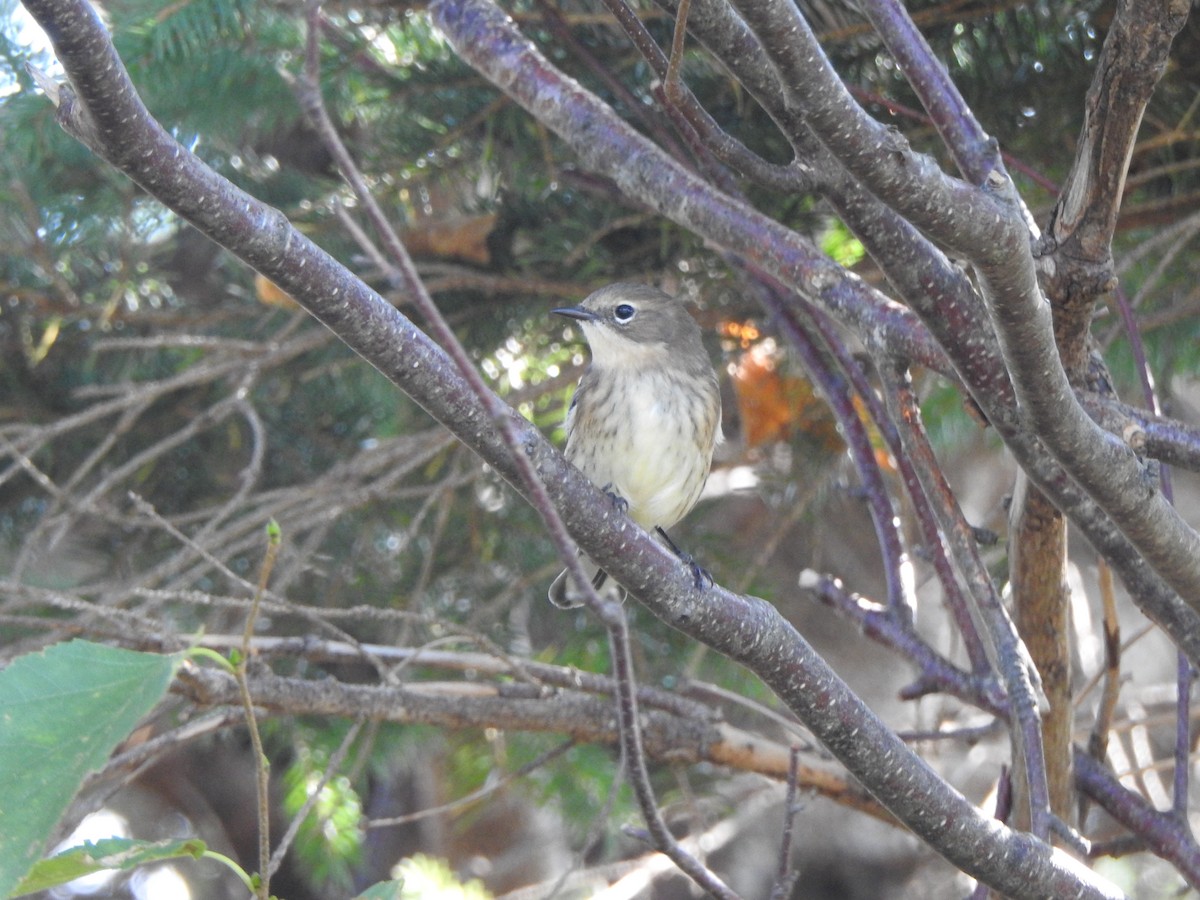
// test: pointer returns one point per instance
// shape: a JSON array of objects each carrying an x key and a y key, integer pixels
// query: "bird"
[{"x": 646, "y": 415}]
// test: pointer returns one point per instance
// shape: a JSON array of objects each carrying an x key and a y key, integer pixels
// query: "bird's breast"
[{"x": 648, "y": 436}]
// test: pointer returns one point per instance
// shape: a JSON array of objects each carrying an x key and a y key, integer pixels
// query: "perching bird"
[{"x": 647, "y": 413}]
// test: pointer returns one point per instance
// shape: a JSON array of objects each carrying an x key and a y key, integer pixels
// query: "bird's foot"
[
  {"x": 699, "y": 574},
  {"x": 618, "y": 502}
]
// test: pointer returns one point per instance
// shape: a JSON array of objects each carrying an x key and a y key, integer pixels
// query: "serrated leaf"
[
  {"x": 62, "y": 711},
  {"x": 113, "y": 853}
]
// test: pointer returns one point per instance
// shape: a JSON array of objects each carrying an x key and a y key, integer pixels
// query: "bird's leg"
[{"x": 699, "y": 573}]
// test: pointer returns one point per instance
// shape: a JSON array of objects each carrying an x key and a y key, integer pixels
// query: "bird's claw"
[
  {"x": 702, "y": 577},
  {"x": 699, "y": 573},
  {"x": 618, "y": 502}
]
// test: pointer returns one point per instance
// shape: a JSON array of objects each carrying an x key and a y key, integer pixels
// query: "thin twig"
[
  {"x": 491, "y": 786},
  {"x": 936, "y": 672},
  {"x": 639, "y": 775},
  {"x": 796, "y": 178},
  {"x": 678, "y": 40},
  {"x": 786, "y": 875},
  {"x": 319, "y": 617},
  {"x": 1183, "y": 736},
  {"x": 262, "y": 766},
  {"x": 314, "y": 796},
  {"x": 1098, "y": 741}
]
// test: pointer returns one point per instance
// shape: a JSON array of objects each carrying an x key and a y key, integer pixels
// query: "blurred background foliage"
[{"x": 102, "y": 293}]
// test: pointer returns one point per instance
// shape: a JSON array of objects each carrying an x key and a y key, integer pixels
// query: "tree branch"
[
  {"x": 1085, "y": 217},
  {"x": 670, "y": 735},
  {"x": 974, "y": 152}
]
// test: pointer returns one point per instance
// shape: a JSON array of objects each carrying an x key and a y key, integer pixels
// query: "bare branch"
[
  {"x": 975, "y": 153},
  {"x": 488, "y": 41},
  {"x": 785, "y": 877},
  {"x": 1008, "y": 655},
  {"x": 1084, "y": 219},
  {"x": 1164, "y": 833}
]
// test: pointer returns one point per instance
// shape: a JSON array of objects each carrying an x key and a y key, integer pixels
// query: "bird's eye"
[{"x": 624, "y": 313}]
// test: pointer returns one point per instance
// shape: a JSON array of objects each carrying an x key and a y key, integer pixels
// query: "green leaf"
[
  {"x": 843, "y": 246},
  {"x": 113, "y": 853},
  {"x": 385, "y": 890},
  {"x": 62, "y": 711}
]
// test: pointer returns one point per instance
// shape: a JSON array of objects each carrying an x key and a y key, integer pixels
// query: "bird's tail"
[{"x": 565, "y": 594}]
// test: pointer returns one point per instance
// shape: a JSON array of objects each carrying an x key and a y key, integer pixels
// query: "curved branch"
[
  {"x": 960, "y": 215},
  {"x": 1166, "y": 834},
  {"x": 974, "y": 152}
]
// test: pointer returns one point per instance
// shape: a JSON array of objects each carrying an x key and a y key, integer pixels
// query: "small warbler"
[{"x": 646, "y": 415}]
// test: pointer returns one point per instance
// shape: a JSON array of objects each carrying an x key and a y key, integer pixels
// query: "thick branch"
[
  {"x": 670, "y": 735},
  {"x": 1106, "y": 467},
  {"x": 1079, "y": 266},
  {"x": 960, "y": 215}
]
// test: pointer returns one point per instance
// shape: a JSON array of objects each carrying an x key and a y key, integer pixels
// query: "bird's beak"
[{"x": 578, "y": 313}]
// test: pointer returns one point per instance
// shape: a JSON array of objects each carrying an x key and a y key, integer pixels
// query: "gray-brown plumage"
[{"x": 647, "y": 413}]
